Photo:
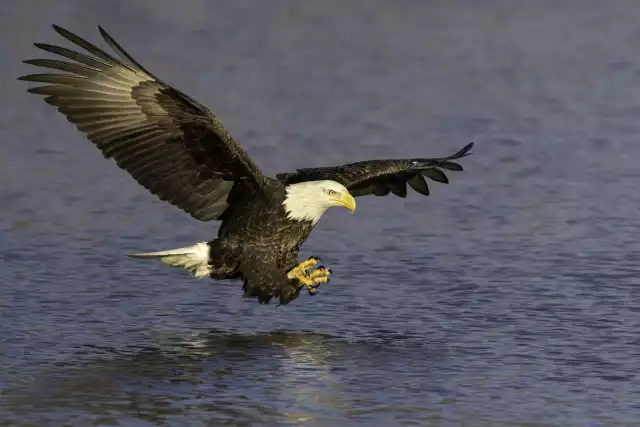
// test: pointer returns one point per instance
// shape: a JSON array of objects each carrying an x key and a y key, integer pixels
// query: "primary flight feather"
[{"x": 180, "y": 151}]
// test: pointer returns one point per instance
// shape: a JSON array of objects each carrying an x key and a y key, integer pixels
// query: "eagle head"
[{"x": 307, "y": 201}]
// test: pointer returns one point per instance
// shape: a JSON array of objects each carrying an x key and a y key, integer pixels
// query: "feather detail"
[
  {"x": 381, "y": 177},
  {"x": 194, "y": 259}
]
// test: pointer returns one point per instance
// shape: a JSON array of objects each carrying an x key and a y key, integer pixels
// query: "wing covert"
[
  {"x": 381, "y": 177},
  {"x": 168, "y": 142}
]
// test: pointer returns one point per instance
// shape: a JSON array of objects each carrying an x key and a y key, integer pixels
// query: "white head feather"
[{"x": 308, "y": 200}]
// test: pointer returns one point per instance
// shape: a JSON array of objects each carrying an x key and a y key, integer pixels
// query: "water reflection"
[{"x": 215, "y": 376}]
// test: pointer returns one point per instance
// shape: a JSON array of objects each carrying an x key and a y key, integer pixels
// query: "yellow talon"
[
  {"x": 305, "y": 280},
  {"x": 301, "y": 269},
  {"x": 311, "y": 279},
  {"x": 321, "y": 273},
  {"x": 317, "y": 277}
]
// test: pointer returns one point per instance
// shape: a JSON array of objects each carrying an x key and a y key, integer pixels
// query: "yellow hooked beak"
[{"x": 348, "y": 202}]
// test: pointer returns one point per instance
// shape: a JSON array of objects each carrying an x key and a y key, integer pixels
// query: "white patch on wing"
[
  {"x": 194, "y": 259},
  {"x": 307, "y": 201}
]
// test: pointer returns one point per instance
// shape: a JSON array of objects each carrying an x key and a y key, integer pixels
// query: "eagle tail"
[{"x": 194, "y": 259}]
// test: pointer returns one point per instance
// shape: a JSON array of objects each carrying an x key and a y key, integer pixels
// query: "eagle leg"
[{"x": 312, "y": 280}]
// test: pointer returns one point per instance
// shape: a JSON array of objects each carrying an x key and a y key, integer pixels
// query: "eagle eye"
[{"x": 332, "y": 192}]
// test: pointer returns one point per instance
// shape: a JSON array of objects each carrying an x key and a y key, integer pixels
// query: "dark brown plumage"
[
  {"x": 180, "y": 151},
  {"x": 379, "y": 177},
  {"x": 171, "y": 144}
]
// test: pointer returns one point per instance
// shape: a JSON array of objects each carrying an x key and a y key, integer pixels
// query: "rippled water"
[{"x": 509, "y": 297}]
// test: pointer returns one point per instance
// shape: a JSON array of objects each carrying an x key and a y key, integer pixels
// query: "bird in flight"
[{"x": 179, "y": 150}]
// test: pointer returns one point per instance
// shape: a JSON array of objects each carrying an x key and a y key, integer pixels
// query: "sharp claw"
[
  {"x": 329, "y": 270},
  {"x": 317, "y": 258},
  {"x": 320, "y": 267}
]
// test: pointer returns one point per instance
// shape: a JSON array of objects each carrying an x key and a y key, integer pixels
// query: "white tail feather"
[{"x": 194, "y": 259}]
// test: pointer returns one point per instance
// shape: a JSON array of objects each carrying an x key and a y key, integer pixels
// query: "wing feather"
[
  {"x": 168, "y": 142},
  {"x": 418, "y": 183},
  {"x": 436, "y": 174}
]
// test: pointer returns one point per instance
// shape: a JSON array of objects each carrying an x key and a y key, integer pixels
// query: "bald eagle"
[{"x": 179, "y": 150}]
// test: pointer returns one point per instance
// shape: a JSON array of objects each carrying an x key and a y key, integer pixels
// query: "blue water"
[{"x": 507, "y": 298}]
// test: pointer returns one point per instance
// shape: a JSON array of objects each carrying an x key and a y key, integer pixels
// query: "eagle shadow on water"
[
  {"x": 179, "y": 150},
  {"x": 149, "y": 381}
]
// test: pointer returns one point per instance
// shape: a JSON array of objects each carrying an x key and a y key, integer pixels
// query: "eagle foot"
[
  {"x": 301, "y": 269},
  {"x": 317, "y": 277},
  {"x": 311, "y": 279}
]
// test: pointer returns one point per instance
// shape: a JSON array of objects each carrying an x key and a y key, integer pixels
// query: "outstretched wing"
[
  {"x": 379, "y": 177},
  {"x": 171, "y": 144}
]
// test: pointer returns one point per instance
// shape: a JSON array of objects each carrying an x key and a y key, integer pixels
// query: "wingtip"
[
  {"x": 103, "y": 32},
  {"x": 106, "y": 36},
  {"x": 65, "y": 33},
  {"x": 465, "y": 151},
  {"x": 58, "y": 29}
]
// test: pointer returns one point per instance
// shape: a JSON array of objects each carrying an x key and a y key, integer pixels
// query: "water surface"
[{"x": 509, "y": 297}]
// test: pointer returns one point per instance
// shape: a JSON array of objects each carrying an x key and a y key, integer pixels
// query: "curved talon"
[
  {"x": 300, "y": 270},
  {"x": 319, "y": 273},
  {"x": 309, "y": 277},
  {"x": 313, "y": 289}
]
